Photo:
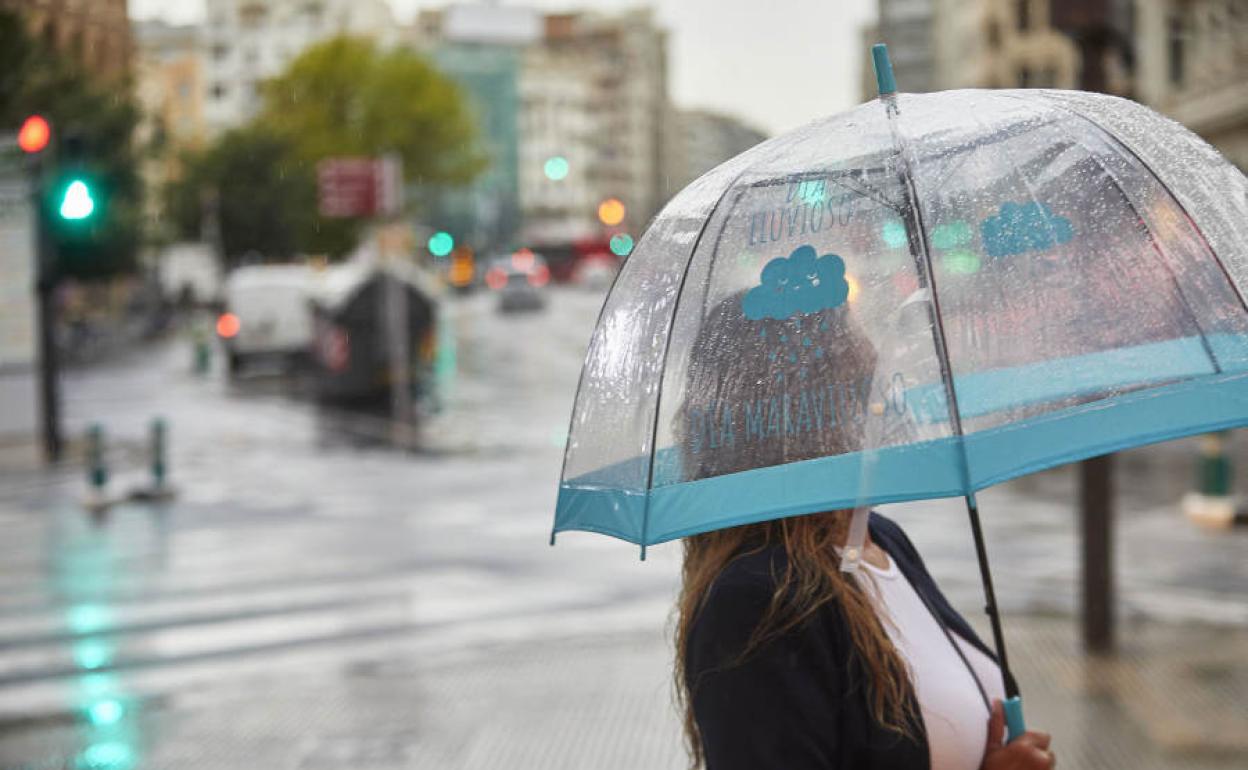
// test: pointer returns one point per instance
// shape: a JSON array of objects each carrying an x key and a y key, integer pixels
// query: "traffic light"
[
  {"x": 34, "y": 134},
  {"x": 76, "y": 202},
  {"x": 74, "y": 193}
]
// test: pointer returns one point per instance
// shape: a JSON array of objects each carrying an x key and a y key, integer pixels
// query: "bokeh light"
[
  {"x": 228, "y": 325},
  {"x": 621, "y": 244},
  {"x": 105, "y": 712},
  {"x": 611, "y": 212},
  {"x": 556, "y": 168},
  {"x": 34, "y": 134},
  {"x": 894, "y": 234},
  {"x": 441, "y": 243},
  {"x": 962, "y": 262}
]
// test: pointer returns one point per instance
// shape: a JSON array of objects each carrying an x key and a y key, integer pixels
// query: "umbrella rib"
[
  {"x": 1152, "y": 239},
  {"x": 1031, "y": 192},
  {"x": 667, "y": 348},
  {"x": 1152, "y": 172},
  {"x": 921, "y": 253}
]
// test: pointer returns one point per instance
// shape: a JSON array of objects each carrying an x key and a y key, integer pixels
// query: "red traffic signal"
[{"x": 34, "y": 134}]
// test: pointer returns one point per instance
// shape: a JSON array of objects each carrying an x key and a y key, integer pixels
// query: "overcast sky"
[{"x": 774, "y": 63}]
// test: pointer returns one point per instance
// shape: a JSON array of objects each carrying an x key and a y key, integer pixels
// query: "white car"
[{"x": 267, "y": 313}]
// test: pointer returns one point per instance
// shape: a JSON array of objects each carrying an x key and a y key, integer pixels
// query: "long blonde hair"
[{"x": 812, "y": 579}]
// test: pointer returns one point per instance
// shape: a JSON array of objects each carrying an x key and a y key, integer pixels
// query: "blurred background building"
[
  {"x": 247, "y": 41},
  {"x": 699, "y": 140},
  {"x": 1192, "y": 64},
  {"x": 480, "y": 48},
  {"x": 169, "y": 88},
  {"x": 1184, "y": 58},
  {"x": 95, "y": 33}
]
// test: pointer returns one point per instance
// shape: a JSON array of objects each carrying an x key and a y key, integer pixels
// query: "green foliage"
[
  {"x": 103, "y": 115},
  {"x": 347, "y": 97},
  {"x": 343, "y": 97},
  {"x": 264, "y": 197}
]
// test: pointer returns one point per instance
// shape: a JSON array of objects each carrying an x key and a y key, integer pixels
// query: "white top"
[{"x": 954, "y": 714}]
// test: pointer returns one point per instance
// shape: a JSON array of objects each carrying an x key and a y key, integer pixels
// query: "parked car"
[
  {"x": 267, "y": 314},
  {"x": 520, "y": 280}
]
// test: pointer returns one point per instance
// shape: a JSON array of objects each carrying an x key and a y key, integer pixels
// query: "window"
[
  {"x": 1024, "y": 77},
  {"x": 220, "y": 51},
  {"x": 1022, "y": 11},
  {"x": 218, "y": 91},
  {"x": 994, "y": 35}
]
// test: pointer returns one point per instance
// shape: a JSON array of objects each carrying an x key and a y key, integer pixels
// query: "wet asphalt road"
[{"x": 302, "y": 556}]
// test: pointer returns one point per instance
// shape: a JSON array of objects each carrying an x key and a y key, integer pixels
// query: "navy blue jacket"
[{"x": 800, "y": 701}]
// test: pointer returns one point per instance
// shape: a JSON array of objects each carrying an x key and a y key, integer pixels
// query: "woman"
[{"x": 784, "y": 661}]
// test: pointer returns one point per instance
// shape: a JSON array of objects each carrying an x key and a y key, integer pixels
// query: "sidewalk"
[{"x": 1172, "y": 699}]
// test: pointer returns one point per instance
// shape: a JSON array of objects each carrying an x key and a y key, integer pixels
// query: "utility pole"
[
  {"x": 34, "y": 139},
  {"x": 45, "y": 295},
  {"x": 1096, "y": 27}
]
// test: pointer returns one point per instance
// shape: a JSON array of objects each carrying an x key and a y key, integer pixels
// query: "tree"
[
  {"x": 347, "y": 97},
  {"x": 263, "y": 196},
  {"x": 34, "y": 78},
  {"x": 343, "y": 97}
]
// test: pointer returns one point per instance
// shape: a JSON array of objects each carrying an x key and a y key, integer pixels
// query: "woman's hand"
[{"x": 1030, "y": 751}]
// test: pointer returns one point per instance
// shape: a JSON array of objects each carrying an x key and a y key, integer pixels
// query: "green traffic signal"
[
  {"x": 441, "y": 243},
  {"x": 76, "y": 202}
]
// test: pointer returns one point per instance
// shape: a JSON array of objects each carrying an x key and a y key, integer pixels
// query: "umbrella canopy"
[{"x": 920, "y": 297}]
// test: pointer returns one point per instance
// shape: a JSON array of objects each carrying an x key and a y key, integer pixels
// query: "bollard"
[
  {"x": 97, "y": 472},
  {"x": 1211, "y": 504},
  {"x": 159, "y": 465},
  {"x": 203, "y": 353}
]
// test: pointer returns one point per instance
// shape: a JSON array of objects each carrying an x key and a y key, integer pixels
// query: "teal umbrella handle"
[{"x": 1014, "y": 717}]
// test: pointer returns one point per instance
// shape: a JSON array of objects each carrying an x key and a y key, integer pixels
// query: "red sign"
[{"x": 359, "y": 187}]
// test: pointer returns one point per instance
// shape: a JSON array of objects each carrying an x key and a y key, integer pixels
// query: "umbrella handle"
[{"x": 1014, "y": 717}]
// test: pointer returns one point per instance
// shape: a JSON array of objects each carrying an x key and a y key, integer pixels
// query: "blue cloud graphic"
[
  {"x": 1020, "y": 227},
  {"x": 800, "y": 283}
]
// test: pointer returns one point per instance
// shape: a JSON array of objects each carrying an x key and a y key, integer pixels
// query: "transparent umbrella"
[{"x": 918, "y": 298}]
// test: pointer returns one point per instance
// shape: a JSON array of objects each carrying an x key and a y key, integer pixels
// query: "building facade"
[
  {"x": 1192, "y": 60},
  {"x": 572, "y": 109},
  {"x": 700, "y": 140},
  {"x": 94, "y": 33},
  {"x": 908, "y": 27},
  {"x": 169, "y": 86},
  {"x": 595, "y": 94},
  {"x": 246, "y": 42},
  {"x": 943, "y": 44},
  {"x": 169, "y": 82},
  {"x": 1002, "y": 44}
]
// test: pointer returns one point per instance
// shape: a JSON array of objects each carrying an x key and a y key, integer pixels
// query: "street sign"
[{"x": 359, "y": 187}]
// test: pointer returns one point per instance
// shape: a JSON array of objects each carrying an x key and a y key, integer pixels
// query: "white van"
[{"x": 267, "y": 314}]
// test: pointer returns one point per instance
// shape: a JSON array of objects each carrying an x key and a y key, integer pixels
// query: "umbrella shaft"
[{"x": 990, "y": 597}]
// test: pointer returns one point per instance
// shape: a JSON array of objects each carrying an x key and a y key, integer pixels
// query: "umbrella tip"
[{"x": 883, "y": 70}]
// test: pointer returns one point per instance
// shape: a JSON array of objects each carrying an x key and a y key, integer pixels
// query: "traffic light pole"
[{"x": 45, "y": 295}]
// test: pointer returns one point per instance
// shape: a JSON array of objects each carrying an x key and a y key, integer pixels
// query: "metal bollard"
[
  {"x": 1211, "y": 504},
  {"x": 97, "y": 471},
  {"x": 203, "y": 353},
  {"x": 159, "y": 464},
  {"x": 1214, "y": 466}
]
